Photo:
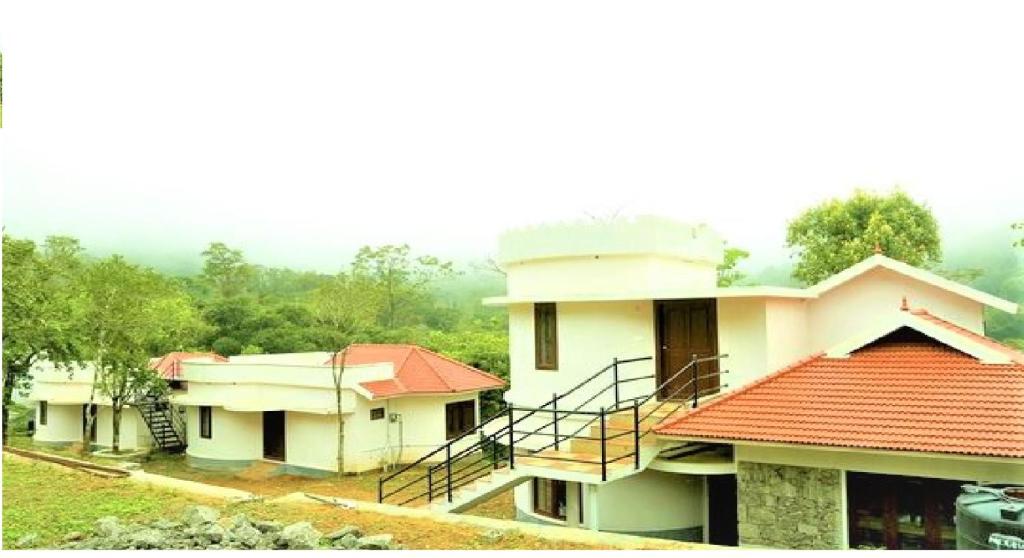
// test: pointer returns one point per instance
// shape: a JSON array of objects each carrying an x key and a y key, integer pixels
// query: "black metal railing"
[{"x": 458, "y": 468}]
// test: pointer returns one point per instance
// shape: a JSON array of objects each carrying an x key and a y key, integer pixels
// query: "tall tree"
[
  {"x": 727, "y": 272},
  {"x": 226, "y": 271},
  {"x": 42, "y": 306},
  {"x": 398, "y": 282},
  {"x": 133, "y": 313},
  {"x": 839, "y": 233}
]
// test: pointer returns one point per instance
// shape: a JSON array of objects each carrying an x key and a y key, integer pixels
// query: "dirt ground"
[{"x": 357, "y": 487}]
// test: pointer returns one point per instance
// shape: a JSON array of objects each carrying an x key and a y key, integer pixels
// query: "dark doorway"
[
  {"x": 895, "y": 512},
  {"x": 686, "y": 328},
  {"x": 88, "y": 411},
  {"x": 722, "y": 522},
  {"x": 273, "y": 435}
]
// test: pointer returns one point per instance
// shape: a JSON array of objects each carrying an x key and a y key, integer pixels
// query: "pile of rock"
[{"x": 201, "y": 527}]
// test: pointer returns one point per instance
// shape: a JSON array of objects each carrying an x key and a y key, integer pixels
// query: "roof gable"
[{"x": 880, "y": 261}]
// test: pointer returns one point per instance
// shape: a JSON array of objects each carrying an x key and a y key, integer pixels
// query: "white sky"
[{"x": 301, "y": 131}]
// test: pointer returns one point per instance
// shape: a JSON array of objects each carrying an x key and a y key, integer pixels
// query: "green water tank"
[{"x": 990, "y": 517}]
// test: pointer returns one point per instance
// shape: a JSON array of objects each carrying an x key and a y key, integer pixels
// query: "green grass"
[{"x": 51, "y": 502}]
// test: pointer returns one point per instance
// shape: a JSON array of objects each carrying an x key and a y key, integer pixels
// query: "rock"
[
  {"x": 165, "y": 524},
  {"x": 267, "y": 526},
  {"x": 27, "y": 541},
  {"x": 493, "y": 535},
  {"x": 347, "y": 542},
  {"x": 346, "y": 530},
  {"x": 245, "y": 535},
  {"x": 109, "y": 526},
  {"x": 198, "y": 515},
  {"x": 238, "y": 520},
  {"x": 210, "y": 533},
  {"x": 299, "y": 536},
  {"x": 73, "y": 536},
  {"x": 374, "y": 542},
  {"x": 146, "y": 538}
]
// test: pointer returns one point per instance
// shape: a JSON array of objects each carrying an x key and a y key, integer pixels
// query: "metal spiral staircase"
[
  {"x": 573, "y": 443},
  {"x": 164, "y": 424}
]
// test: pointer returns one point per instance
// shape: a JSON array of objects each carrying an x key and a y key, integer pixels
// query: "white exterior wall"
[
  {"x": 786, "y": 332},
  {"x": 311, "y": 440},
  {"x": 602, "y": 276},
  {"x": 234, "y": 436},
  {"x": 668, "y": 502},
  {"x": 134, "y": 432},
  {"x": 590, "y": 335},
  {"x": 63, "y": 424},
  {"x": 854, "y": 307},
  {"x": 742, "y": 334}
]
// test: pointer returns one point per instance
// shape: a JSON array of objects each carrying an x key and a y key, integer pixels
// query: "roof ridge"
[
  {"x": 462, "y": 364},
  {"x": 739, "y": 390},
  {"x": 437, "y": 373}
]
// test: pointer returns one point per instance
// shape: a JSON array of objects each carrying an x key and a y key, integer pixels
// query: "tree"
[
  {"x": 727, "y": 272},
  {"x": 226, "y": 271},
  {"x": 1018, "y": 227},
  {"x": 133, "y": 313},
  {"x": 42, "y": 305},
  {"x": 342, "y": 305},
  {"x": 397, "y": 282},
  {"x": 839, "y": 233}
]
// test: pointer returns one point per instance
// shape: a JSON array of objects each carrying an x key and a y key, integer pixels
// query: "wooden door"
[
  {"x": 686, "y": 328},
  {"x": 273, "y": 435}
]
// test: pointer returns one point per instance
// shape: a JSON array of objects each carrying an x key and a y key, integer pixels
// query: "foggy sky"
[{"x": 300, "y": 133}]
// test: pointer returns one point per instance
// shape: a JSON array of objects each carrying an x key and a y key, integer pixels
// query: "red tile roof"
[
  {"x": 169, "y": 365},
  {"x": 902, "y": 392},
  {"x": 418, "y": 371}
]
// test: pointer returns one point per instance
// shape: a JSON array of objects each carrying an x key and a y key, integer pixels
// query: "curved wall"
[{"x": 236, "y": 439}]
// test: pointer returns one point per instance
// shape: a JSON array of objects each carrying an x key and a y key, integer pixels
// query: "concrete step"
[{"x": 593, "y": 447}]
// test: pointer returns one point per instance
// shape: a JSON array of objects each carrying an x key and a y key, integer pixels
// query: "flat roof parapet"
[{"x": 641, "y": 235}]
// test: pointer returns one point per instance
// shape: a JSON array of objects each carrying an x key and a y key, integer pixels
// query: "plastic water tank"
[{"x": 990, "y": 517}]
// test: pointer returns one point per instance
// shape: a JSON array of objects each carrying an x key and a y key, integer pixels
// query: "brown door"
[
  {"x": 686, "y": 328},
  {"x": 273, "y": 435}
]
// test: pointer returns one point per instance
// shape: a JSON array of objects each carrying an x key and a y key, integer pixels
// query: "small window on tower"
[{"x": 545, "y": 333}]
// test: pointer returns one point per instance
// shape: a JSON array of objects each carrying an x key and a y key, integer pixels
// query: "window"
[
  {"x": 377, "y": 414},
  {"x": 895, "y": 512},
  {"x": 545, "y": 335},
  {"x": 42, "y": 413},
  {"x": 205, "y": 422},
  {"x": 460, "y": 417},
  {"x": 549, "y": 498}
]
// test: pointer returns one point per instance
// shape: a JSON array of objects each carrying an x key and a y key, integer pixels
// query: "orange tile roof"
[
  {"x": 1011, "y": 353},
  {"x": 169, "y": 365},
  {"x": 418, "y": 371},
  {"x": 901, "y": 392}
]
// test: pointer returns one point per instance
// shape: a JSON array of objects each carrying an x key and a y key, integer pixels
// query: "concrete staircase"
[{"x": 577, "y": 459}]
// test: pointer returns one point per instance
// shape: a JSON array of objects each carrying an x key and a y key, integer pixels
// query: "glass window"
[
  {"x": 549, "y": 498},
  {"x": 205, "y": 422},
  {"x": 895, "y": 512},
  {"x": 42, "y": 413},
  {"x": 545, "y": 330},
  {"x": 377, "y": 414},
  {"x": 460, "y": 417}
]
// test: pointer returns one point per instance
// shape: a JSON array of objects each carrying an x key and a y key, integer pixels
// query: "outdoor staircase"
[
  {"x": 594, "y": 447},
  {"x": 163, "y": 425}
]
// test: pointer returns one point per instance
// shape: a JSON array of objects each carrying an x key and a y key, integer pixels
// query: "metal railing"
[{"x": 458, "y": 468}]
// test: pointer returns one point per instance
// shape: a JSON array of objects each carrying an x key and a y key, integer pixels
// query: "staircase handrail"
[{"x": 503, "y": 413}]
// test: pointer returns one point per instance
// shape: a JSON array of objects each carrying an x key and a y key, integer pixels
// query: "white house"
[
  {"x": 61, "y": 398},
  {"x": 398, "y": 402},
  {"x": 608, "y": 316}
]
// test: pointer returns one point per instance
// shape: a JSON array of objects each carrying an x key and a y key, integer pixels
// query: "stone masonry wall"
[{"x": 781, "y": 506}]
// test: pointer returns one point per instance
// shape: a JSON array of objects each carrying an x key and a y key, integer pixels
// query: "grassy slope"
[{"x": 52, "y": 501}]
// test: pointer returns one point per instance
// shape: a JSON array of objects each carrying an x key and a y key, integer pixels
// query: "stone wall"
[{"x": 781, "y": 506}]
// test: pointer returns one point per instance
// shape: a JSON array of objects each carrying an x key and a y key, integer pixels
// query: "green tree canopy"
[
  {"x": 839, "y": 233},
  {"x": 42, "y": 306},
  {"x": 727, "y": 272}
]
